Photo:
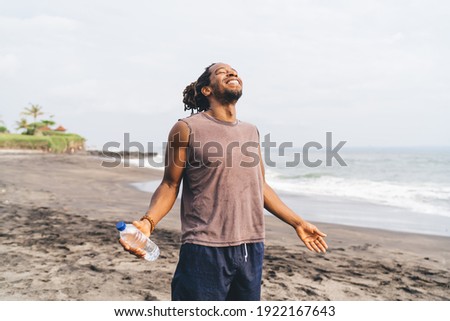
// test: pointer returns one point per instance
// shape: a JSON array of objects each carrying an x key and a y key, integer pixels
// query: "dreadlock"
[{"x": 193, "y": 98}]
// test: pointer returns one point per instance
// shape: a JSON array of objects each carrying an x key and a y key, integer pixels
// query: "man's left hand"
[{"x": 312, "y": 237}]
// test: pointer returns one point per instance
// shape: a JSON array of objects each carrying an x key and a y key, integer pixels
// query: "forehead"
[{"x": 220, "y": 65}]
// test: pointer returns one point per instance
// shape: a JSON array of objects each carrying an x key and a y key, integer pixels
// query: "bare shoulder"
[{"x": 180, "y": 133}]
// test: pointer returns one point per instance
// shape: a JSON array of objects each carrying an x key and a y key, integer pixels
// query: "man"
[{"x": 224, "y": 195}]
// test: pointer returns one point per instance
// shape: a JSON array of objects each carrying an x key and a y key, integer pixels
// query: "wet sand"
[{"x": 58, "y": 242}]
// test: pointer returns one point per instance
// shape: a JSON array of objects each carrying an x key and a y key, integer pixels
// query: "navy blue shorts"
[{"x": 207, "y": 273}]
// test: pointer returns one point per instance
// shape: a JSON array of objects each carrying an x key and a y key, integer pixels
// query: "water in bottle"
[{"x": 135, "y": 238}]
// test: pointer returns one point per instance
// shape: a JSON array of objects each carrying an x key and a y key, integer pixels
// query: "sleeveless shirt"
[{"x": 222, "y": 201}]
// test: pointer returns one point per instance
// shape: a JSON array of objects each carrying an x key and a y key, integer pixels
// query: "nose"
[{"x": 232, "y": 73}]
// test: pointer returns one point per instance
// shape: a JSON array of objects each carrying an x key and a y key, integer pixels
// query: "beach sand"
[{"x": 59, "y": 242}]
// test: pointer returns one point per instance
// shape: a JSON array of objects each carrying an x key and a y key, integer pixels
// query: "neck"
[{"x": 224, "y": 112}]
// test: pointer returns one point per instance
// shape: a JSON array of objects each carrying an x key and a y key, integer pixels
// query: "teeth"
[{"x": 234, "y": 82}]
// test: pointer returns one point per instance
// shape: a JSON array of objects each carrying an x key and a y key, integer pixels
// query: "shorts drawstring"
[{"x": 246, "y": 253}]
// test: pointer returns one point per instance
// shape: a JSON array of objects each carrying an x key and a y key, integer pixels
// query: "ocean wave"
[
  {"x": 427, "y": 198},
  {"x": 156, "y": 162},
  {"x": 420, "y": 197}
]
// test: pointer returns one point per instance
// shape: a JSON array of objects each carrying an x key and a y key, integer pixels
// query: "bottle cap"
[{"x": 121, "y": 226}]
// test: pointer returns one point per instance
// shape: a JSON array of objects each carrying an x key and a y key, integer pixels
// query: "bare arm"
[
  {"x": 307, "y": 232},
  {"x": 166, "y": 194}
]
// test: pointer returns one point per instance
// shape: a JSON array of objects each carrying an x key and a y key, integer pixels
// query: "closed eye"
[{"x": 224, "y": 71}]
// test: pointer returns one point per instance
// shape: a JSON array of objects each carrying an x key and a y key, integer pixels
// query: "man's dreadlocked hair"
[{"x": 193, "y": 98}]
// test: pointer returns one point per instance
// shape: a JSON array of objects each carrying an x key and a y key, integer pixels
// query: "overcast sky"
[{"x": 375, "y": 73}]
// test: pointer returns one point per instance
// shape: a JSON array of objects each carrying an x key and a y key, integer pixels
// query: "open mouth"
[{"x": 233, "y": 82}]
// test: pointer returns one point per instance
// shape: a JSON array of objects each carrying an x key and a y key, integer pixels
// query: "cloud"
[
  {"x": 38, "y": 23},
  {"x": 9, "y": 65},
  {"x": 306, "y": 64}
]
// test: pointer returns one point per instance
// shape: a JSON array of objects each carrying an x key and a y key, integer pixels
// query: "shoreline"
[
  {"x": 316, "y": 208},
  {"x": 58, "y": 242}
]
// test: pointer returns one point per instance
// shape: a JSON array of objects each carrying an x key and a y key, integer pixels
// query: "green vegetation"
[
  {"x": 38, "y": 135},
  {"x": 64, "y": 141},
  {"x": 54, "y": 143},
  {"x": 24, "y": 141},
  {"x": 3, "y": 129},
  {"x": 23, "y": 124}
]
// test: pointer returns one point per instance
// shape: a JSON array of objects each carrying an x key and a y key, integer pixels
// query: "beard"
[{"x": 227, "y": 96}]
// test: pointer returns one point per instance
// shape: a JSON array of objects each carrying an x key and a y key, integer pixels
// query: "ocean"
[{"x": 404, "y": 190}]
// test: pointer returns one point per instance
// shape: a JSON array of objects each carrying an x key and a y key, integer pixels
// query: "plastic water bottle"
[{"x": 135, "y": 238}]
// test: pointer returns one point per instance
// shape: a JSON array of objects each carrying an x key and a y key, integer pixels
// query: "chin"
[
  {"x": 235, "y": 92},
  {"x": 233, "y": 95}
]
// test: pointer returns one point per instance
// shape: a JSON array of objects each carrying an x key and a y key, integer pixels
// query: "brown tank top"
[{"x": 222, "y": 201}]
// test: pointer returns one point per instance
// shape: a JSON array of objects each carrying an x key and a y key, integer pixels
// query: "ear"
[{"x": 206, "y": 91}]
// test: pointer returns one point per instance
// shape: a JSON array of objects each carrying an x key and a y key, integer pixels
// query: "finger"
[
  {"x": 320, "y": 246},
  {"x": 124, "y": 244},
  {"x": 324, "y": 244},
  {"x": 309, "y": 246},
  {"x": 315, "y": 247},
  {"x": 135, "y": 251},
  {"x": 320, "y": 233},
  {"x": 139, "y": 253}
]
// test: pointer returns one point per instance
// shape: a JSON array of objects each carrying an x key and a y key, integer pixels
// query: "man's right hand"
[{"x": 144, "y": 227}]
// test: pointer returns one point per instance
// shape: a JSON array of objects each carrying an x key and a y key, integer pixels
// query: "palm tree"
[
  {"x": 49, "y": 122},
  {"x": 22, "y": 124},
  {"x": 34, "y": 111}
]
